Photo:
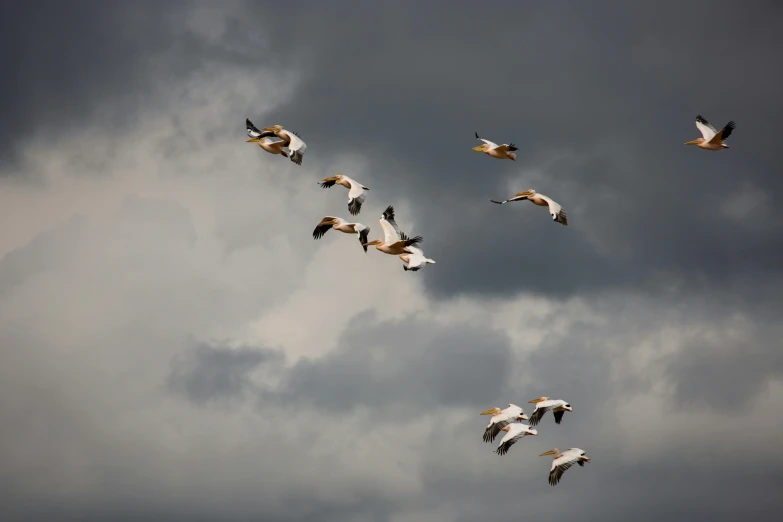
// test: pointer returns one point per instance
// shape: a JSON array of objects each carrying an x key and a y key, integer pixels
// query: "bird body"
[
  {"x": 296, "y": 147},
  {"x": 504, "y": 151},
  {"x": 514, "y": 433},
  {"x": 394, "y": 242},
  {"x": 557, "y": 212},
  {"x": 500, "y": 419},
  {"x": 356, "y": 195},
  {"x": 264, "y": 139},
  {"x": 341, "y": 225},
  {"x": 415, "y": 260},
  {"x": 544, "y": 404},
  {"x": 563, "y": 461},
  {"x": 711, "y": 139}
]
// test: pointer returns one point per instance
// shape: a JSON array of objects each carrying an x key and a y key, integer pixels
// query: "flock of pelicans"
[{"x": 397, "y": 243}]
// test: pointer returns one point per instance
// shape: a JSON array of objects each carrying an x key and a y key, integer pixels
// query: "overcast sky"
[{"x": 174, "y": 345}]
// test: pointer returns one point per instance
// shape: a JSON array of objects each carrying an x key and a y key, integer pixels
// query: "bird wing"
[
  {"x": 295, "y": 143},
  {"x": 519, "y": 196},
  {"x": 356, "y": 196},
  {"x": 364, "y": 234},
  {"x": 724, "y": 133},
  {"x": 706, "y": 129},
  {"x": 391, "y": 231},
  {"x": 515, "y": 432},
  {"x": 541, "y": 408},
  {"x": 497, "y": 421},
  {"x": 490, "y": 144},
  {"x": 560, "y": 466},
  {"x": 558, "y": 416},
  {"x": 558, "y": 213},
  {"x": 409, "y": 241},
  {"x": 505, "y": 147},
  {"x": 327, "y": 184},
  {"x": 254, "y": 132},
  {"x": 322, "y": 227}
]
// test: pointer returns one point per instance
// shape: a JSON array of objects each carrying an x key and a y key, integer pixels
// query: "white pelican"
[
  {"x": 356, "y": 195},
  {"x": 557, "y": 212},
  {"x": 500, "y": 419},
  {"x": 713, "y": 139},
  {"x": 416, "y": 260},
  {"x": 514, "y": 432},
  {"x": 263, "y": 139},
  {"x": 296, "y": 146},
  {"x": 543, "y": 405},
  {"x": 496, "y": 151},
  {"x": 394, "y": 242},
  {"x": 563, "y": 461},
  {"x": 341, "y": 225}
]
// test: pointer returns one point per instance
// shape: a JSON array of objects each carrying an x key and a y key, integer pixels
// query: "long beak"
[
  {"x": 535, "y": 401},
  {"x": 371, "y": 243},
  {"x": 586, "y": 459},
  {"x": 254, "y": 140},
  {"x": 330, "y": 179},
  {"x": 480, "y": 148},
  {"x": 488, "y": 412},
  {"x": 694, "y": 142},
  {"x": 550, "y": 452},
  {"x": 270, "y": 129}
]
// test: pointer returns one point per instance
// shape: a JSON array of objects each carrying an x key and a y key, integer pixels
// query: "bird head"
[
  {"x": 568, "y": 407},
  {"x": 479, "y": 148}
]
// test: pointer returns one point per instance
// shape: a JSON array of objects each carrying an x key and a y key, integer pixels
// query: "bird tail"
[{"x": 431, "y": 261}]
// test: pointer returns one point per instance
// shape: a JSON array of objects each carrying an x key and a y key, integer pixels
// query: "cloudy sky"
[{"x": 175, "y": 346}]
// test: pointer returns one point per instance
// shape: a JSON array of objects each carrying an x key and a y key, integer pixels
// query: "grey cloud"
[
  {"x": 212, "y": 373},
  {"x": 396, "y": 364}
]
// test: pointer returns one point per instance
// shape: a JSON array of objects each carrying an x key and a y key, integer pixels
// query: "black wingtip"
[{"x": 477, "y": 136}]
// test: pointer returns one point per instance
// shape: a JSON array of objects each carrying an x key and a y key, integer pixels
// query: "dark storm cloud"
[
  {"x": 403, "y": 363},
  {"x": 616, "y": 86},
  {"x": 208, "y": 373}
]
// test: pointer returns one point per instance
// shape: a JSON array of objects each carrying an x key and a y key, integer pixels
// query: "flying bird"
[
  {"x": 712, "y": 139},
  {"x": 514, "y": 432},
  {"x": 263, "y": 138},
  {"x": 394, "y": 242},
  {"x": 557, "y": 212},
  {"x": 416, "y": 260},
  {"x": 296, "y": 146},
  {"x": 563, "y": 461},
  {"x": 494, "y": 150},
  {"x": 341, "y": 225},
  {"x": 544, "y": 404},
  {"x": 500, "y": 419},
  {"x": 356, "y": 190}
]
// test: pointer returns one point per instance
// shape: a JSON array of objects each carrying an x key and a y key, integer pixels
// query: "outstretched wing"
[
  {"x": 537, "y": 414},
  {"x": 557, "y": 471},
  {"x": 391, "y": 231},
  {"x": 558, "y": 416},
  {"x": 355, "y": 204},
  {"x": 322, "y": 227},
  {"x": 327, "y": 184},
  {"x": 724, "y": 133},
  {"x": 363, "y": 236},
  {"x": 557, "y": 212},
  {"x": 707, "y": 130}
]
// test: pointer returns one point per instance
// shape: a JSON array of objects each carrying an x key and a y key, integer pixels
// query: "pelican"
[
  {"x": 341, "y": 225},
  {"x": 514, "y": 432},
  {"x": 296, "y": 146},
  {"x": 394, "y": 242},
  {"x": 563, "y": 461},
  {"x": 416, "y": 260},
  {"x": 263, "y": 139},
  {"x": 713, "y": 139},
  {"x": 496, "y": 151},
  {"x": 543, "y": 405},
  {"x": 557, "y": 212},
  {"x": 500, "y": 419},
  {"x": 356, "y": 190}
]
